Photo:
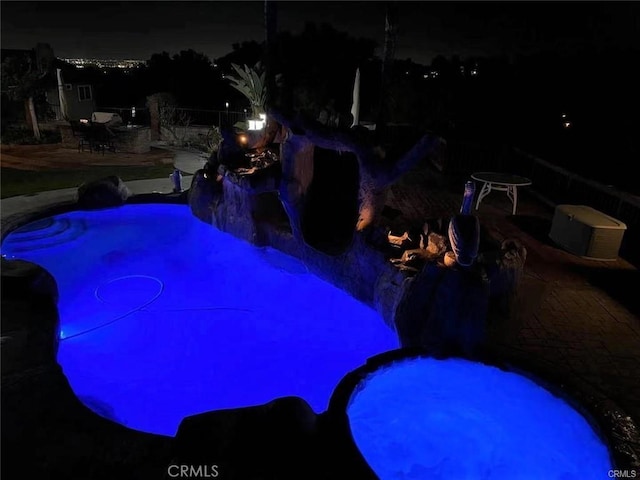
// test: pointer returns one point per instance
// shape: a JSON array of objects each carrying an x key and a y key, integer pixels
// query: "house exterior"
[
  {"x": 77, "y": 94},
  {"x": 75, "y": 87}
]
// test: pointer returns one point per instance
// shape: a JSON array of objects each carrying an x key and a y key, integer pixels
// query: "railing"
[
  {"x": 553, "y": 184},
  {"x": 54, "y": 112},
  {"x": 196, "y": 117},
  {"x": 216, "y": 118}
]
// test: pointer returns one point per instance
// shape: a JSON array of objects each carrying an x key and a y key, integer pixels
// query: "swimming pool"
[
  {"x": 163, "y": 316},
  {"x": 421, "y": 417}
]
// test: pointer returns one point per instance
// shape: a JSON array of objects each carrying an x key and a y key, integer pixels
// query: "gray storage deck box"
[{"x": 587, "y": 232}]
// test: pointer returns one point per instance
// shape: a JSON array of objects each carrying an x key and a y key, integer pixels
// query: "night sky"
[{"x": 139, "y": 29}]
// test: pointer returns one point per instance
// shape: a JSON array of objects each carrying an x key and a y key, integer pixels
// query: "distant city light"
[
  {"x": 104, "y": 63},
  {"x": 566, "y": 124},
  {"x": 474, "y": 72},
  {"x": 564, "y": 115}
]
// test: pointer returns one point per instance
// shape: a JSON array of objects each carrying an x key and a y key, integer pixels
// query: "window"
[{"x": 84, "y": 92}]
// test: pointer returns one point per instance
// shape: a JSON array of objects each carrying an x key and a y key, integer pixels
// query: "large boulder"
[
  {"x": 464, "y": 237},
  {"x": 204, "y": 194},
  {"x": 29, "y": 316},
  {"x": 48, "y": 433},
  {"x": 505, "y": 270},
  {"x": 234, "y": 212},
  {"x": 444, "y": 310},
  {"x": 388, "y": 291},
  {"x": 277, "y": 440},
  {"x": 103, "y": 193}
]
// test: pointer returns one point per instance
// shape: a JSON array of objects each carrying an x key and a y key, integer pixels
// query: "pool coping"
[{"x": 15, "y": 211}]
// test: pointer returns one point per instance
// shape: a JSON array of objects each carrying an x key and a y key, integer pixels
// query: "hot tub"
[{"x": 418, "y": 417}]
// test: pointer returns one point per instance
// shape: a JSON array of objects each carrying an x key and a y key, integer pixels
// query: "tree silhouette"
[
  {"x": 390, "y": 39},
  {"x": 26, "y": 76},
  {"x": 189, "y": 75}
]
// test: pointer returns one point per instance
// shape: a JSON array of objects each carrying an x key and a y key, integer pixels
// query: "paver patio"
[{"x": 578, "y": 317}]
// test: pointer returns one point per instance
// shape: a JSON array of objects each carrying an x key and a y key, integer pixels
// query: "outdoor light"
[
  {"x": 226, "y": 104},
  {"x": 242, "y": 139},
  {"x": 256, "y": 124},
  {"x": 84, "y": 120},
  {"x": 567, "y": 124},
  {"x": 263, "y": 117}
]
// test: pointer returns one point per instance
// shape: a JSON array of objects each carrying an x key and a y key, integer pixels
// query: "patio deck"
[{"x": 578, "y": 317}]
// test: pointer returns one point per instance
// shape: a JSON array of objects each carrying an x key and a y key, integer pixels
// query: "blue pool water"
[
  {"x": 163, "y": 316},
  {"x": 454, "y": 419}
]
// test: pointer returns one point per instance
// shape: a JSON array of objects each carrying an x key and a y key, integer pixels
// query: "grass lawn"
[{"x": 23, "y": 182}]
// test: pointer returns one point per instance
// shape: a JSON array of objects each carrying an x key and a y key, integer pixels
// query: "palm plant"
[{"x": 251, "y": 83}]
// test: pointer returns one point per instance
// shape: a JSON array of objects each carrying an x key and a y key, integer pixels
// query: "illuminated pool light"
[
  {"x": 163, "y": 316},
  {"x": 424, "y": 418}
]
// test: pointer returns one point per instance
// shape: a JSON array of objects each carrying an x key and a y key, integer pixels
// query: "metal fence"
[
  {"x": 126, "y": 113},
  {"x": 553, "y": 184},
  {"x": 216, "y": 118},
  {"x": 195, "y": 117}
]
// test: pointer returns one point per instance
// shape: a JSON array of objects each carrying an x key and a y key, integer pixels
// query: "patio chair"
[
  {"x": 82, "y": 134},
  {"x": 102, "y": 139}
]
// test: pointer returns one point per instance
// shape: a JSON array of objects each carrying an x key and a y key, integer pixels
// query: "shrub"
[{"x": 24, "y": 136}]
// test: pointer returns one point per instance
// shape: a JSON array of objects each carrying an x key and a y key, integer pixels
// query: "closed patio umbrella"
[
  {"x": 63, "y": 101},
  {"x": 355, "y": 106}
]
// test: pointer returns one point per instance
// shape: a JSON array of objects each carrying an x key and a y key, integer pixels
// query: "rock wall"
[
  {"x": 296, "y": 157},
  {"x": 103, "y": 193},
  {"x": 428, "y": 301},
  {"x": 68, "y": 139},
  {"x": 29, "y": 316},
  {"x": 133, "y": 139}
]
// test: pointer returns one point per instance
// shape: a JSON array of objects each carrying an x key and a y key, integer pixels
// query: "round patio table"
[{"x": 503, "y": 182}]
